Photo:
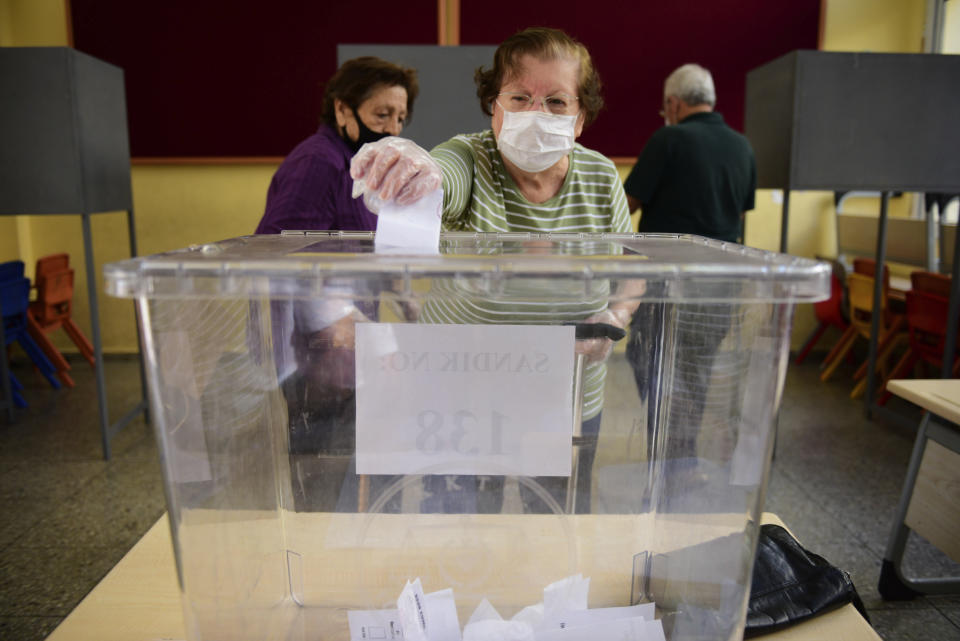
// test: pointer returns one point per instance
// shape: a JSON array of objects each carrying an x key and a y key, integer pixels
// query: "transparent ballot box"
[{"x": 466, "y": 444}]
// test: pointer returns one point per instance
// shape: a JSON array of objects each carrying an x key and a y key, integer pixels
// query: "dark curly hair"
[
  {"x": 545, "y": 44},
  {"x": 358, "y": 79}
]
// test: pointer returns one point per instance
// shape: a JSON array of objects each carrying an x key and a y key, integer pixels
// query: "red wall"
[
  {"x": 243, "y": 78},
  {"x": 635, "y": 45},
  {"x": 233, "y": 78}
]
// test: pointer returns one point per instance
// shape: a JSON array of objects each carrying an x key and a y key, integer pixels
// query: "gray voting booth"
[
  {"x": 63, "y": 123},
  {"x": 877, "y": 122},
  {"x": 448, "y": 103},
  {"x": 865, "y": 121},
  {"x": 857, "y": 121}
]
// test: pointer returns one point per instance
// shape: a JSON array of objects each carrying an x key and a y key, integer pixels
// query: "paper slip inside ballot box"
[
  {"x": 418, "y": 617},
  {"x": 566, "y": 594},
  {"x": 563, "y": 615},
  {"x": 412, "y": 228},
  {"x": 635, "y": 629},
  {"x": 578, "y": 618}
]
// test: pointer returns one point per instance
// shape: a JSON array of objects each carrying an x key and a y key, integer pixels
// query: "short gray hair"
[{"x": 692, "y": 84}]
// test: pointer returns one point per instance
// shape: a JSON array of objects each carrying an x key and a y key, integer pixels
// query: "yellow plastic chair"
[{"x": 892, "y": 334}]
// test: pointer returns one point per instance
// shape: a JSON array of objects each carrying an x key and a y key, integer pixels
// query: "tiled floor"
[{"x": 68, "y": 516}]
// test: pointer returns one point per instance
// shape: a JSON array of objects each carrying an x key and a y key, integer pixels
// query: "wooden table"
[
  {"x": 930, "y": 499},
  {"x": 938, "y": 395},
  {"x": 139, "y": 600}
]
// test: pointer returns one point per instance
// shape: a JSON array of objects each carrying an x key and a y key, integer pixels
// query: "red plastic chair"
[
  {"x": 829, "y": 314},
  {"x": 927, "y": 312},
  {"x": 931, "y": 283},
  {"x": 50, "y": 264},
  {"x": 52, "y": 309}
]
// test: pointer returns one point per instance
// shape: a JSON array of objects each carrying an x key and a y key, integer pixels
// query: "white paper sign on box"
[{"x": 464, "y": 399}]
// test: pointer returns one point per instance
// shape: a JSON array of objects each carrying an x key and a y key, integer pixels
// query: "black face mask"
[{"x": 366, "y": 134}]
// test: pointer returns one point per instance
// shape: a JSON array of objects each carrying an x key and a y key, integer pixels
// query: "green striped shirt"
[{"x": 479, "y": 195}]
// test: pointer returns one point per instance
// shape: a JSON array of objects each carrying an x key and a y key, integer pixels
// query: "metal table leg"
[{"x": 893, "y": 585}]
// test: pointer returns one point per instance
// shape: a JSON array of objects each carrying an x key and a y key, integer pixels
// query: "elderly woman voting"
[
  {"x": 367, "y": 99},
  {"x": 526, "y": 173}
]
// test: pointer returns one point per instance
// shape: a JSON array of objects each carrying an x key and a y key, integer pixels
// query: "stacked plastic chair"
[
  {"x": 14, "y": 300},
  {"x": 860, "y": 285},
  {"x": 928, "y": 304},
  {"x": 52, "y": 310}
]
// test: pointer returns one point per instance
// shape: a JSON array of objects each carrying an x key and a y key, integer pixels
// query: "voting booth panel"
[
  {"x": 855, "y": 121},
  {"x": 63, "y": 123},
  {"x": 359, "y": 442}
]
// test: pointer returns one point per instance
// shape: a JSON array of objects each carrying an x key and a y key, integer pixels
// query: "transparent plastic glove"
[
  {"x": 393, "y": 168},
  {"x": 598, "y": 349}
]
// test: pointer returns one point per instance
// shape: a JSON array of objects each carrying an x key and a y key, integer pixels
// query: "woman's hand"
[
  {"x": 598, "y": 349},
  {"x": 393, "y": 169}
]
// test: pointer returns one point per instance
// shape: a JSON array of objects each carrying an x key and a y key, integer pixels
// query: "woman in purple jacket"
[
  {"x": 313, "y": 340},
  {"x": 366, "y": 99}
]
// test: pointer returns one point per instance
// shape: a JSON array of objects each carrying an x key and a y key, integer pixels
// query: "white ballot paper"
[
  {"x": 464, "y": 399},
  {"x": 486, "y": 624},
  {"x": 563, "y": 616},
  {"x": 634, "y": 629},
  {"x": 410, "y": 229},
  {"x": 418, "y": 617},
  {"x": 576, "y": 618},
  {"x": 566, "y": 595}
]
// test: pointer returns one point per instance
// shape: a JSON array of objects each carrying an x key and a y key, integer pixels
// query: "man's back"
[{"x": 696, "y": 177}]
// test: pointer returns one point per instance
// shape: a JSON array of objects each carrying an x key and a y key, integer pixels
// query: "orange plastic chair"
[
  {"x": 860, "y": 288},
  {"x": 928, "y": 306},
  {"x": 52, "y": 309},
  {"x": 50, "y": 264}
]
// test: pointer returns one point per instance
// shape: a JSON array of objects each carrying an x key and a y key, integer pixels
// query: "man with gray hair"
[{"x": 695, "y": 175}]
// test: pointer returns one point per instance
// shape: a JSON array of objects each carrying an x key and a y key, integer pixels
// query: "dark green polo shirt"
[{"x": 696, "y": 177}]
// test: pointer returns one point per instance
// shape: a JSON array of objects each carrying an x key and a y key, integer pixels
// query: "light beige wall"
[
  {"x": 892, "y": 26},
  {"x": 951, "y": 28},
  {"x": 33, "y": 23},
  {"x": 174, "y": 206}
]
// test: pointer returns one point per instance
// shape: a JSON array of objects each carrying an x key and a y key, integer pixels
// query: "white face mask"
[{"x": 534, "y": 141}]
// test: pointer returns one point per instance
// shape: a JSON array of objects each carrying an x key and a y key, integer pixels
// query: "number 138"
[{"x": 460, "y": 433}]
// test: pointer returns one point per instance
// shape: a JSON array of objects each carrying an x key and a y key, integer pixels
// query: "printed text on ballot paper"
[{"x": 464, "y": 399}]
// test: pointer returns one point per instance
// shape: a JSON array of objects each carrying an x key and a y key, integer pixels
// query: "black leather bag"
[{"x": 791, "y": 584}]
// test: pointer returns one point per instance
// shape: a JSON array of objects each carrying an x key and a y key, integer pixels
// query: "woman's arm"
[{"x": 457, "y": 165}]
